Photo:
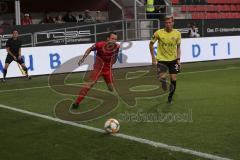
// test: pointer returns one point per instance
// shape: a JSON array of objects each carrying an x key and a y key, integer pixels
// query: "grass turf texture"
[{"x": 210, "y": 97}]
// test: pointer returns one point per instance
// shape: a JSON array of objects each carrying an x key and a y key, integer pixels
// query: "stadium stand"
[
  {"x": 212, "y": 9},
  {"x": 38, "y": 10}
]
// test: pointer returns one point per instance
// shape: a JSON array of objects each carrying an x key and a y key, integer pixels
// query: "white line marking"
[
  {"x": 147, "y": 88},
  {"x": 184, "y": 73},
  {"x": 210, "y": 70},
  {"x": 124, "y": 136},
  {"x": 23, "y": 89}
]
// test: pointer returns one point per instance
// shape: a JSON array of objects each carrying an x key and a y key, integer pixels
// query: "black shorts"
[
  {"x": 9, "y": 60},
  {"x": 171, "y": 66}
]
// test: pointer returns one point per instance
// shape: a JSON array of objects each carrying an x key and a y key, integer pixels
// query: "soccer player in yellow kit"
[{"x": 168, "y": 54}]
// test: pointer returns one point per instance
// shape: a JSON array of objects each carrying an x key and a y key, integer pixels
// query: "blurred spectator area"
[
  {"x": 98, "y": 9},
  {"x": 206, "y": 9},
  {"x": 37, "y": 18}
]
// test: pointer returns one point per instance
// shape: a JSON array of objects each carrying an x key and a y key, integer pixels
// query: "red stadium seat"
[
  {"x": 198, "y": 16},
  {"x": 202, "y": 15},
  {"x": 184, "y": 8},
  {"x": 223, "y": 15},
  {"x": 200, "y": 8},
  {"x": 231, "y": 1},
  {"x": 195, "y": 16},
  {"x": 211, "y": 8},
  {"x": 228, "y": 15},
  {"x": 237, "y": 15},
  {"x": 216, "y": 2},
  {"x": 233, "y": 8},
  {"x": 235, "y": 1},
  {"x": 234, "y": 15},
  {"x": 208, "y": 8},
  {"x": 211, "y": 1},
  {"x": 224, "y": 1},
  {"x": 215, "y": 15},
  {"x": 220, "y": 8},
  {"x": 175, "y": 2},
  {"x": 226, "y": 7},
  {"x": 192, "y": 8},
  {"x": 209, "y": 16},
  {"x": 205, "y": 7}
]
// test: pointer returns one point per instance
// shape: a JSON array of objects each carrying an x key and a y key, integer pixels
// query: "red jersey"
[
  {"x": 26, "y": 22},
  {"x": 106, "y": 51}
]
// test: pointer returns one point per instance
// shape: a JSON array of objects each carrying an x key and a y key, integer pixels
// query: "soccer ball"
[{"x": 111, "y": 126}]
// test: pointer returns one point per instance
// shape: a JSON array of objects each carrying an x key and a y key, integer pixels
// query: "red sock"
[{"x": 82, "y": 94}]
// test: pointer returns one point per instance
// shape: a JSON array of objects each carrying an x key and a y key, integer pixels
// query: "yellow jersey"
[
  {"x": 167, "y": 44},
  {"x": 150, "y": 6}
]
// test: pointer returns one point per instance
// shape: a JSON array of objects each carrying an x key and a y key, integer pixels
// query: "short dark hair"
[
  {"x": 14, "y": 30},
  {"x": 110, "y": 33},
  {"x": 192, "y": 24}
]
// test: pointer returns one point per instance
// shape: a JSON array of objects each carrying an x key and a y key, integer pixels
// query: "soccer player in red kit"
[{"x": 106, "y": 56}]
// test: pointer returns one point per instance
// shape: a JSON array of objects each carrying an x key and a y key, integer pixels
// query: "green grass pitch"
[{"x": 207, "y": 97}]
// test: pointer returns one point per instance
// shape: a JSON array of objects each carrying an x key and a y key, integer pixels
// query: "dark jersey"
[
  {"x": 106, "y": 51},
  {"x": 14, "y": 46}
]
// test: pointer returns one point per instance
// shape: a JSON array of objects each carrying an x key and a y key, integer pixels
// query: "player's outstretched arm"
[{"x": 81, "y": 60}]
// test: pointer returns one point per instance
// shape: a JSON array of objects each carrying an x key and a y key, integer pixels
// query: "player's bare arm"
[
  {"x": 19, "y": 54},
  {"x": 8, "y": 50},
  {"x": 88, "y": 51},
  {"x": 178, "y": 55},
  {"x": 154, "y": 61}
]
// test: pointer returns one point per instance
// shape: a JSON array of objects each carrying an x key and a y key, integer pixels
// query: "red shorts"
[{"x": 104, "y": 71}]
